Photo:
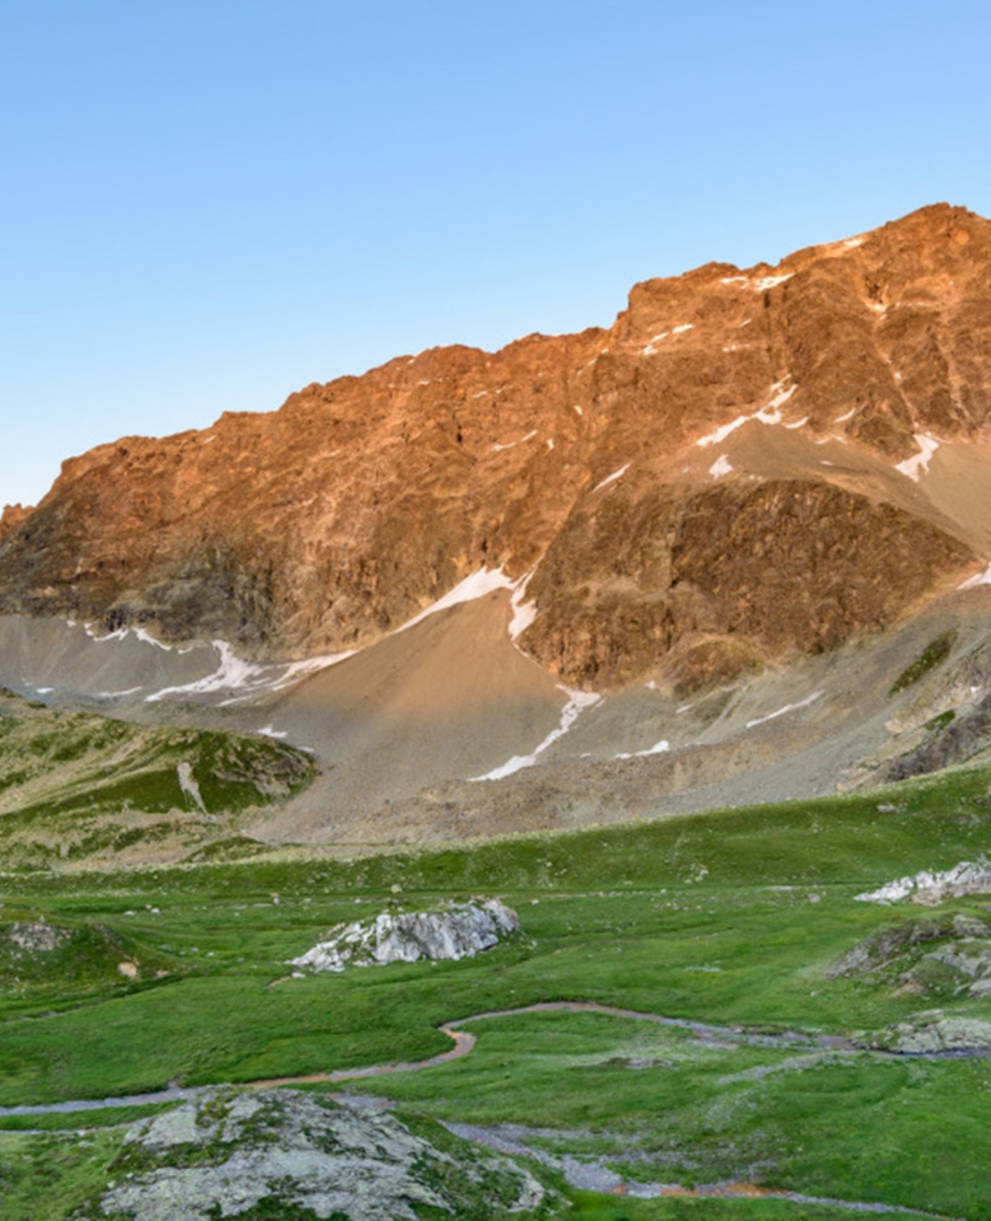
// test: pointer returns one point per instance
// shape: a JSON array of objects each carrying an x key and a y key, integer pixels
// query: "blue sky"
[{"x": 207, "y": 205}]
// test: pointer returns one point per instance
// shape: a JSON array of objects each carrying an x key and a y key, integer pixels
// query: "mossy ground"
[
  {"x": 933, "y": 655},
  {"x": 733, "y": 917}
]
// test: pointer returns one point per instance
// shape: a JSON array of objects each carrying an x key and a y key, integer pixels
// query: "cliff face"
[{"x": 713, "y": 480}]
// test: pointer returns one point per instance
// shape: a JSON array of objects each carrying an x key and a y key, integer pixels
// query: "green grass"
[
  {"x": 733, "y": 917},
  {"x": 933, "y": 655}
]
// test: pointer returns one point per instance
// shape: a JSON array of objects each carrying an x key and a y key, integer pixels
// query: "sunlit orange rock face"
[
  {"x": 11, "y": 517},
  {"x": 752, "y": 421}
]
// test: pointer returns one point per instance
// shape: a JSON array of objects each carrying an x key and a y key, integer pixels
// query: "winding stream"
[
  {"x": 464, "y": 1042},
  {"x": 591, "y": 1174}
]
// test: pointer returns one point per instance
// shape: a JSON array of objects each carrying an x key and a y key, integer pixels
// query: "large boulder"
[
  {"x": 460, "y": 930},
  {"x": 281, "y": 1153}
]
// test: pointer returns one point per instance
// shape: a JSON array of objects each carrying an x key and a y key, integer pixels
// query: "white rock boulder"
[
  {"x": 967, "y": 878},
  {"x": 460, "y": 930}
]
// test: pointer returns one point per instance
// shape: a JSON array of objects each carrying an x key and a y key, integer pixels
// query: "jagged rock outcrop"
[
  {"x": 714, "y": 478},
  {"x": 12, "y": 517},
  {"x": 460, "y": 930}
]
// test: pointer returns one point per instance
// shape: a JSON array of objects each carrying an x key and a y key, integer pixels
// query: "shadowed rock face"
[
  {"x": 317, "y": 527},
  {"x": 782, "y": 564}
]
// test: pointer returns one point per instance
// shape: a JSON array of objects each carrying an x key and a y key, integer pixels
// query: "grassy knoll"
[
  {"x": 78, "y": 787},
  {"x": 734, "y": 917}
]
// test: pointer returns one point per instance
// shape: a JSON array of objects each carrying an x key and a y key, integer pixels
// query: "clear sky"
[{"x": 208, "y": 204}]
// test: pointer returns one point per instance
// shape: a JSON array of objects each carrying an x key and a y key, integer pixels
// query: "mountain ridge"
[{"x": 681, "y": 493}]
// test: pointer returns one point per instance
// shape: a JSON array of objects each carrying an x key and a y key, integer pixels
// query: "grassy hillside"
[{"x": 81, "y": 788}]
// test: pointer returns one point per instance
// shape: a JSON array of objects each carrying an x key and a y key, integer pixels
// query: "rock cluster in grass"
[
  {"x": 285, "y": 1153},
  {"x": 962, "y": 963},
  {"x": 35, "y": 936},
  {"x": 932, "y": 1032},
  {"x": 971, "y": 960},
  {"x": 459, "y": 930},
  {"x": 966, "y": 878}
]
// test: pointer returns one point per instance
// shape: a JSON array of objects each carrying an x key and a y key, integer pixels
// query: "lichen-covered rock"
[
  {"x": 961, "y": 963},
  {"x": 457, "y": 931},
  {"x": 295, "y": 1154},
  {"x": 933, "y": 1031},
  {"x": 885, "y": 945}
]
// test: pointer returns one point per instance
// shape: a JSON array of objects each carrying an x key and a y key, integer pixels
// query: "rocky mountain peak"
[{"x": 749, "y": 461}]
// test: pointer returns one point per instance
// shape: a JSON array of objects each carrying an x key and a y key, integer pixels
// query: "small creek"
[
  {"x": 464, "y": 1042},
  {"x": 590, "y": 1174}
]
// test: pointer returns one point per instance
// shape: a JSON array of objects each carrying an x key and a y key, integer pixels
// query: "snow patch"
[
  {"x": 770, "y": 413},
  {"x": 576, "y": 704},
  {"x": 759, "y": 285},
  {"x": 524, "y": 613},
  {"x": 510, "y": 444},
  {"x": 122, "y": 633},
  {"x": 724, "y": 430},
  {"x": 680, "y": 329},
  {"x": 781, "y": 392},
  {"x": 476, "y": 585},
  {"x": 918, "y": 464},
  {"x": 577, "y": 408},
  {"x": 851, "y": 242},
  {"x": 187, "y": 782},
  {"x": 847, "y": 415},
  {"x": 982, "y": 578},
  {"x": 766, "y": 282},
  {"x": 799, "y": 423},
  {"x": 246, "y": 678},
  {"x": 612, "y": 478},
  {"x": 720, "y": 467},
  {"x": 271, "y": 732},
  {"x": 659, "y": 748},
  {"x": 772, "y": 716}
]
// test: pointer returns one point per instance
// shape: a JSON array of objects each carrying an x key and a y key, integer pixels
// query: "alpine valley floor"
[{"x": 791, "y": 1099}]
